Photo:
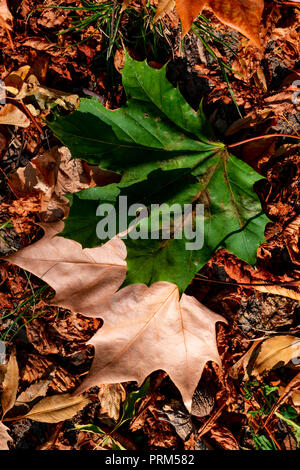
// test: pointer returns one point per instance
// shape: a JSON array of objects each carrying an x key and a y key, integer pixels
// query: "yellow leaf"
[
  {"x": 57, "y": 408},
  {"x": 11, "y": 115},
  {"x": 10, "y": 384},
  {"x": 273, "y": 353}
]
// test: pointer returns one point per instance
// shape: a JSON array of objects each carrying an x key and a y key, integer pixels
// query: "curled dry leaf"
[
  {"x": 10, "y": 384},
  {"x": 11, "y": 115},
  {"x": 273, "y": 353},
  {"x": 21, "y": 83},
  {"x": 150, "y": 328},
  {"x": 57, "y": 408},
  {"x": 111, "y": 397},
  {"x": 4, "y": 437},
  {"x": 82, "y": 278},
  {"x": 244, "y": 273},
  {"x": 53, "y": 174},
  {"x": 224, "y": 437}
]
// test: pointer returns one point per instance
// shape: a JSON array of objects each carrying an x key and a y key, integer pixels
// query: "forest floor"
[{"x": 35, "y": 170}]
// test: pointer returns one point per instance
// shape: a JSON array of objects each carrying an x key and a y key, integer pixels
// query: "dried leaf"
[
  {"x": 57, "y": 408},
  {"x": 5, "y": 15},
  {"x": 82, "y": 278},
  {"x": 244, "y": 273},
  {"x": 224, "y": 437},
  {"x": 111, "y": 396},
  {"x": 242, "y": 15},
  {"x": 164, "y": 7},
  {"x": 147, "y": 329},
  {"x": 4, "y": 437},
  {"x": 11, "y": 115},
  {"x": 273, "y": 353},
  {"x": 53, "y": 174},
  {"x": 296, "y": 398},
  {"x": 38, "y": 389},
  {"x": 10, "y": 384}
]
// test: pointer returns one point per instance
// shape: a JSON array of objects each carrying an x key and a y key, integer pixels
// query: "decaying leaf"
[
  {"x": 243, "y": 273},
  {"x": 21, "y": 84},
  {"x": 13, "y": 116},
  {"x": 53, "y": 174},
  {"x": 147, "y": 329},
  {"x": 82, "y": 278},
  {"x": 111, "y": 397},
  {"x": 224, "y": 437},
  {"x": 38, "y": 389},
  {"x": 57, "y": 408},
  {"x": 10, "y": 384},
  {"x": 273, "y": 353},
  {"x": 4, "y": 437}
]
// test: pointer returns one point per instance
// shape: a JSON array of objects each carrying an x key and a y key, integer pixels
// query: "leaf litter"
[{"x": 35, "y": 193}]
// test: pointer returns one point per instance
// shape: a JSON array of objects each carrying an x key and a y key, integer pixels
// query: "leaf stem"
[{"x": 267, "y": 136}]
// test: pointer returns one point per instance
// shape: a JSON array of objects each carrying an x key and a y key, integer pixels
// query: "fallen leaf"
[
  {"x": 4, "y": 437},
  {"x": 53, "y": 174},
  {"x": 164, "y": 155},
  {"x": 57, "y": 408},
  {"x": 13, "y": 116},
  {"x": 21, "y": 84},
  {"x": 176, "y": 414},
  {"x": 82, "y": 278},
  {"x": 296, "y": 397},
  {"x": 111, "y": 397},
  {"x": 255, "y": 277},
  {"x": 150, "y": 328},
  {"x": 164, "y": 7},
  {"x": 224, "y": 437},
  {"x": 241, "y": 15},
  {"x": 273, "y": 353},
  {"x": 5, "y": 15},
  {"x": 38, "y": 389},
  {"x": 10, "y": 384}
]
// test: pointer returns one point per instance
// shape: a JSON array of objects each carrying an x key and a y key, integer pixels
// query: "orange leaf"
[{"x": 242, "y": 15}]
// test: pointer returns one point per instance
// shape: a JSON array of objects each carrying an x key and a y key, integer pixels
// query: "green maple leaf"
[{"x": 165, "y": 152}]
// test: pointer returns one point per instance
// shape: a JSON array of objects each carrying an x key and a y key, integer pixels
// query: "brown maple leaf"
[
  {"x": 82, "y": 278},
  {"x": 242, "y": 15},
  {"x": 150, "y": 328}
]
